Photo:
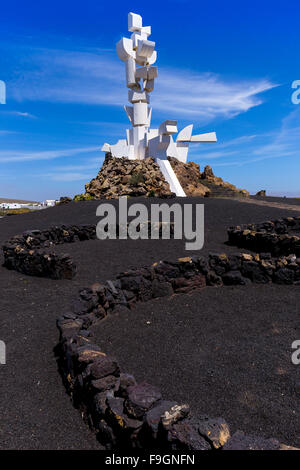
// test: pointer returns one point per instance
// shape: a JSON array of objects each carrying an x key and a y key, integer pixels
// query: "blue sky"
[{"x": 226, "y": 66}]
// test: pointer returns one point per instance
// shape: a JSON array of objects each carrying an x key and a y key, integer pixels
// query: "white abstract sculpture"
[{"x": 139, "y": 55}]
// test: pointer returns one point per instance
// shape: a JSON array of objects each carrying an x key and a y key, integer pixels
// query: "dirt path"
[{"x": 275, "y": 205}]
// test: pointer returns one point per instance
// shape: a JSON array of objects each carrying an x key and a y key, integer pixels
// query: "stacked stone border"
[
  {"x": 122, "y": 413},
  {"x": 275, "y": 236},
  {"x": 27, "y": 253}
]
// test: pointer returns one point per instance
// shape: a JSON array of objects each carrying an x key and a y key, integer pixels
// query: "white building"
[{"x": 49, "y": 202}]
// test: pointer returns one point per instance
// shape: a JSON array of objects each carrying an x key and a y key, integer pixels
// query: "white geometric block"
[
  {"x": 152, "y": 73},
  {"x": 130, "y": 72},
  {"x": 140, "y": 114},
  {"x": 149, "y": 86},
  {"x": 168, "y": 127},
  {"x": 141, "y": 72},
  {"x": 151, "y": 60},
  {"x": 125, "y": 49},
  {"x": 172, "y": 149},
  {"x": 185, "y": 134},
  {"x": 135, "y": 22},
  {"x": 149, "y": 119},
  {"x": 151, "y": 134},
  {"x": 139, "y": 142},
  {"x": 145, "y": 48},
  {"x": 136, "y": 37},
  {"x": 135, "y": 96},
  {"x": 171, "y": 178},
  {"x": 120, "y": 149},
  {"x": 105, "y": 148},
  {"x": 153, "y": 141},
  {"x": 129, "y": 112},
  {"x": 182, "y": 151},
  {"x": 209, "y": 137},
  {"x": 131, "y": 152},
  {"x": 146, "y": 30}
]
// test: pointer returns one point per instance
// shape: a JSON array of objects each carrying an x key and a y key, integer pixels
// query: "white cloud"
[{"x": 97, "y": 79}]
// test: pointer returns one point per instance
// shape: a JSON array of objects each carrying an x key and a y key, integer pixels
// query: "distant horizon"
[
  {"x": 65, "y": 90},
  {"x": 24, "y": 201}
]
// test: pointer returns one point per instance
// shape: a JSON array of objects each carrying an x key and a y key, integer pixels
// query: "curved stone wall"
[
  {"x": 29, "y": 253},
  {"x": 122, "y": 413},
  {"x": 279, "y": 237}
]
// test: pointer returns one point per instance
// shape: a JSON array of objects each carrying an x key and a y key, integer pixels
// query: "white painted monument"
[{"x": 139, "y": 55}]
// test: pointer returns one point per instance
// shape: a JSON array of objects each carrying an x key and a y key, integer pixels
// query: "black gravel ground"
[{"x": 35, "y": 411}]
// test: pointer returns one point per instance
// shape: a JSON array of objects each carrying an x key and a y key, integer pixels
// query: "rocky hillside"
[
  {"x": 189, "y": 176},
  {"x": 123, "y": 177},
  {"x": 197, "y": 183}
]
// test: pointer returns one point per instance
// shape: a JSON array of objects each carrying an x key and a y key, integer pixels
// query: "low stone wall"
[
  {"x": 280, "y": 236},
  {"x": 122, "y": 413},
  {"x": 28, "y": 253}
]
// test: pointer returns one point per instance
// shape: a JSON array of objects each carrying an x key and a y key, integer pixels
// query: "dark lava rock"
[
  {"x": 284, "y": 276},
  {"x": 161, "y": 289},
  {"x": 103, "y": 366},
  {"x": 141, "y": 398},
  {"x": 234, "y": 278},
  {"x": 126, "y": 381},
  {"x": 185, "y": 436},
  {"x": 107, "y": 383},
  {"x": 153, "y": 417},
  {"x": 106, "y": 435},
  {"x": 212, "y": 279},
  {"x": 116, "y": 415},
  {"x": 214, "y": 430}
]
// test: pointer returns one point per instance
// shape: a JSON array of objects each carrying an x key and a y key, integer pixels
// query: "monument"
[{"x": 139, "y": 55}]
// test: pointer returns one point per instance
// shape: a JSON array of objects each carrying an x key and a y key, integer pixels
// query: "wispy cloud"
[
  {"x": 281, "y": 143},
  {"x": 207, "y": 95},
  {"x": 67, "y": 177},
  {"x": 23, "y": 114},
  {"x": 19, "y": 113},
  {"x": 6, "y": 132},
  {"x": 95, "y": 78},
  {"x": 7, "y": 156},
  {"x": 83, "y": 171}
]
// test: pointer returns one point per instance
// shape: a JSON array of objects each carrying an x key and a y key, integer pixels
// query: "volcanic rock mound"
[
  {"x": 220, "y": 188},
  {"x": 123, "y": 177},
  {"x": 197, "y": 183},
  {"x": 189, "y": 176}
]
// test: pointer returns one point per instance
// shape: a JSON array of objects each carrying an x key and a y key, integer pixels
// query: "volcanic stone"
[
  {"x": 185, "y": 436},
  {"x": 215, "y": 430},
  {"x": 141, "y": 398},
  {"x": 175, "y": 414},
  {"x": 103, "y": 366},
  {"x": 153, "y": 417}
]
